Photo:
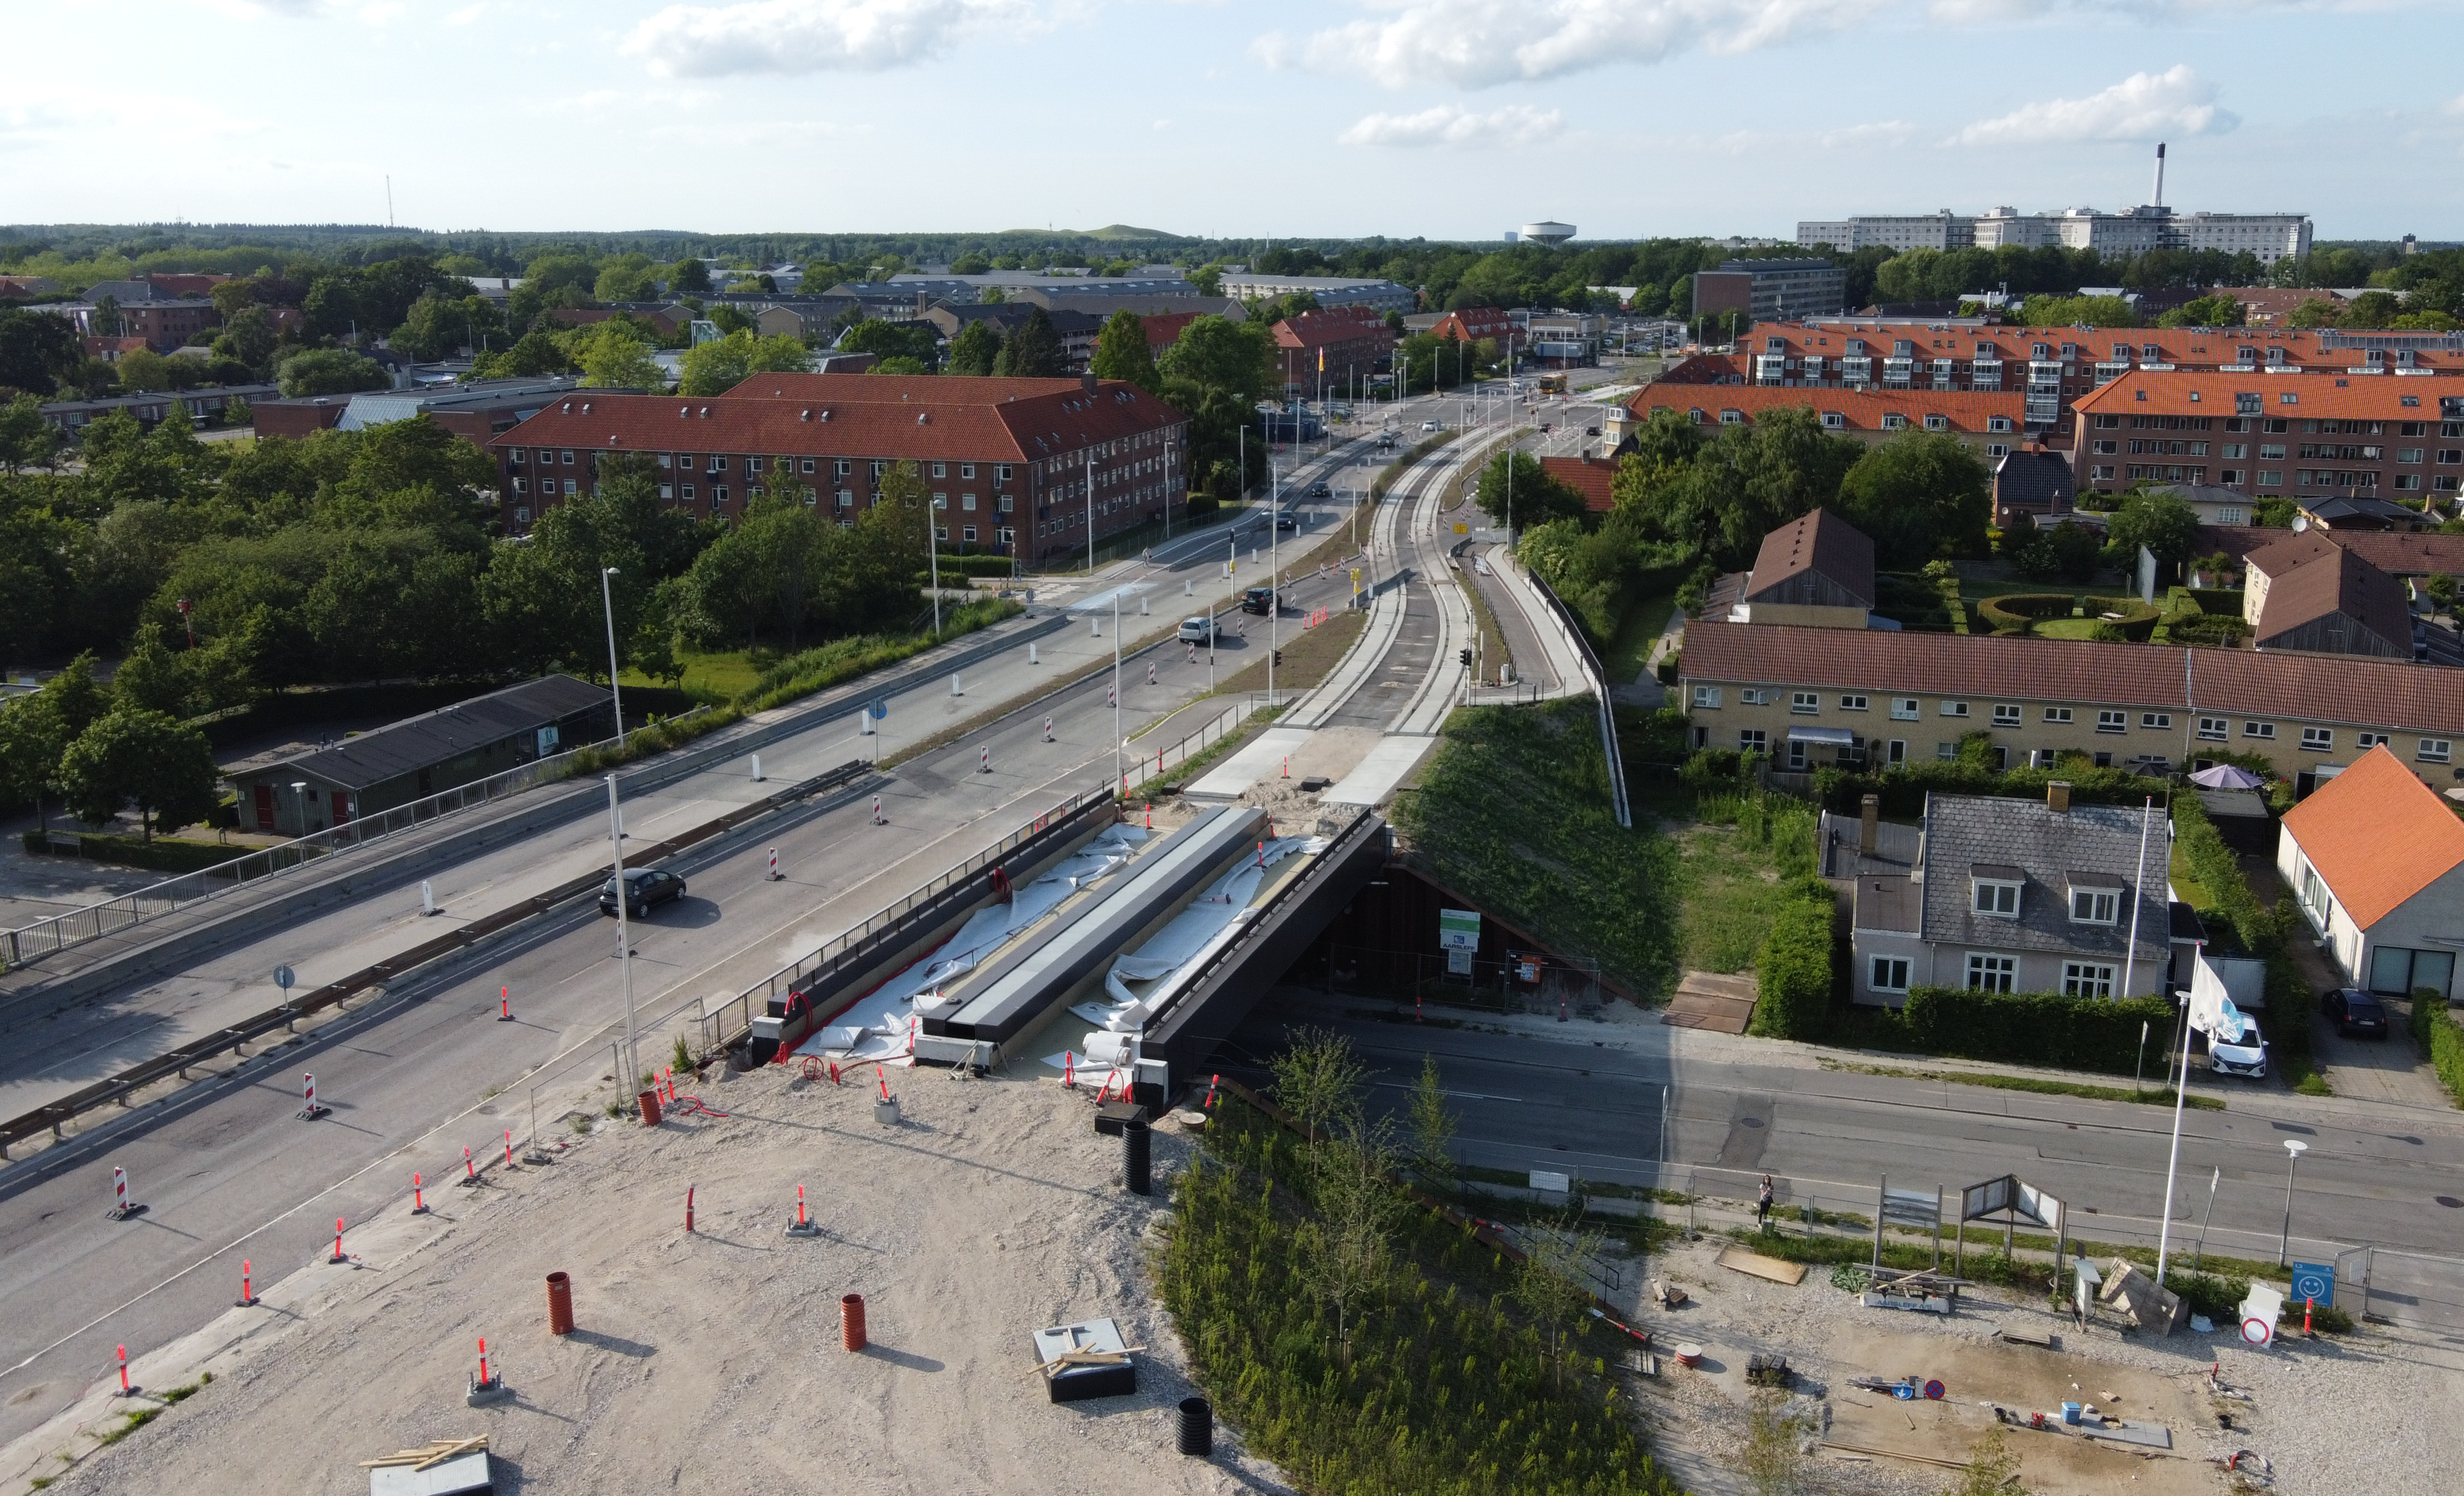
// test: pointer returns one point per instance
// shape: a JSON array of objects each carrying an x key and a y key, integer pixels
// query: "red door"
[
  {"x": 265, "y": 807},
  {"x": 342, "y": 808}
]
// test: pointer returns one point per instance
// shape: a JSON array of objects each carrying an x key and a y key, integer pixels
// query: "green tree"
[
  {"x": 1773, "y": 1461},
  {"x": 38, "y": 350},
  {"x": 720, "y": 365},
  {"x": 247, "y": 335},
  {"x": 1034, "y": 351},
  {"x": 328, "y": 371},
  {"x": 2053, "y": 311},
  {"x": 1215, "y": 353},
  {"x": 975, "y": 349},
  {"x": 2163, "y": 522},
  {"x": 1344, "y": 1251},
  {"x": 531, "y": 355},
  {"x": 1121, "y": 352},
  {"x": 1535, "y": 497},
  {"x": 1919, "y": 495},
  {"x": 1317, "y": 1078},
  {"x": 889, "y": 339},
  {"x": 900, "y": 363},
  {"x": 1549, "y": 1282},
  {"x": 1433, "y": 1127},
  {"x": 26, "y": 439},
  {"x": 149, "y": 678},
  {"x": 143, "y": 757},
  {"x": 2316, "y": 312},
  {"x": 613, "y": 357},
  {"x": 2206, "y": 312},
  {"x": 1992, "y": 1469},
  {"x": 31, "y": 740},
  {"x": 972, "y": 263},
  {"x": 627, "y": 277},
  {"x": 689, "y": 278}
]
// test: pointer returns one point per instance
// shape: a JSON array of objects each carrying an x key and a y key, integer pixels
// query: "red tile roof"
[
  {"x": 2377, "y": 835},
  {"x": 2345, "y": 397},
  {"x": 1472, "y": 323},
  {"x": 1163, "y": 329},
  {"x": 1705, "y": 368},
  {"x": 824, "y": 414},
  {"x": 1860, "y": 409},
  {"x": 1333, "y": 325},
  {"x": 1822, "y": 544},
  {"x": 1588, "y": 477},
  {"x": 2303, "y": 688},
  {"x": 2186, "y": 346}
]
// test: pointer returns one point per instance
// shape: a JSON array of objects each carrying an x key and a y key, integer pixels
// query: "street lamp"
[
  {"x": 300, "y": 798},
  {"x": 607, "y": 607},
  {"x": 632, "y": 1071},
  {"x": 2294, "y": 1149}
]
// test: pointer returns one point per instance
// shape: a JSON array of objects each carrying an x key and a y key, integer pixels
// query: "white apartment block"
[{"x": 2133, "y": 231}]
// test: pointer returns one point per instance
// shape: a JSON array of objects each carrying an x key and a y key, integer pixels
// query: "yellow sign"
[
  {"x": 1355, "y": 576},
  {"x": 1461, "y": 528}
]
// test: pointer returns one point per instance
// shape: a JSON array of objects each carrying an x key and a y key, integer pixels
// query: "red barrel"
[
  {"x": 851, "y": 1320},
  {"x": 560, "y": 1304},
  {"x": 649, "y": 1109}
]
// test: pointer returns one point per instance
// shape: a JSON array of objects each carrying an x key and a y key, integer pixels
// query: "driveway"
[{"x": 2391, "y": 1070}]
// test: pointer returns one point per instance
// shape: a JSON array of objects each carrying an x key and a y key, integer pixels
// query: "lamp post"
[
  {"x": 633, "y": 1075},
  {"x": 607, "y": 607},
  {"x": 933, "y": 556},
  {"x": 2294, "y": 1149},
  {"x": 300, "y": 799}
]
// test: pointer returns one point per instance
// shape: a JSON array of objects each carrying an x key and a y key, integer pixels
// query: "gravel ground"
[
  {"x": 2334, "y": 1416},
  {"x": 711, "y": 1360}
]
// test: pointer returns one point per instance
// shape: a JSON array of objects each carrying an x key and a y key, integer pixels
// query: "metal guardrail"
[
  {"x": 81, "y": 926},
  {"x": 1598, "y": 679},
  {"x": 728, "y": 1022},
  {"x": 1151, "y": 766},
  {"x": 57, "y": 1115}
]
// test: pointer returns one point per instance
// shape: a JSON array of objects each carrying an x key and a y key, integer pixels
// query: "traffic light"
[
  {"x": 1279, "y": 656},
  {"x": 1465, "y": 656}
]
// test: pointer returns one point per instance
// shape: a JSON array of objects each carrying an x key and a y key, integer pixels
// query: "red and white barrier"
[
  {"x": 774, "y": 864},
  {"x": 1212, "y": 1081},
  {"x": 126, "y": 1390},
  {"x": 1048, "y": 729},
  {"x": 340, "y": 1256},
  {"x": 247, "y": 1290},
  {"x": 120, "y": 1209},
  {"x": 469, "y": 1170},
  {"x": 504, "y": 1005},
  {"x": 878, "y": 819},
  {"x": 309, "y": 1110},
  {"x": 883, "y": 1077},
  {"x": 689, "y": 1197},
  {"x": 1069, "y": 1071},
  {"x": 986, "y": 765},
  {"x": 509, "y": 1148},
  {"x": 418, "y": 1197}
]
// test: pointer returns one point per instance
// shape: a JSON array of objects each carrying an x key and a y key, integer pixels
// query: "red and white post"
[
  {"x": 688, "y": 1195},
  {"x": 122, "y": 1208},
  {"x": 774, "y": 864},
  {"x": 246, "y": 1290},
  {"x": 986, "y": 765},
  {"x": 509, "y": 1148},
  {"x": 127, "y": 1390},
  {"x": 878, "y": 819},
  {"x": 418, "y": 1197},
  {"x": 504, "y": 1005},
  {"x": 340, "y": 1256},
  {"x": 309, "y": 1110},
  {"x": 1048, "y": 729},
  {"x": 469, "y": 1170}
]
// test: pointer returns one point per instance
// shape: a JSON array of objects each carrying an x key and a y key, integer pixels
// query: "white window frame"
[
  {"x": 1957, "y": 709},
  {"x": 2319, "y": 739},
  {"x": 2369, "y": 740},
  {"x": 1851, "y": 703},
  {"x": 2435, "y": 750},
  {"x": 2104, "y": 906},
  {"x": 1978, "y": 902},
  {"x": 1756, "y": 696},
  {"x": 2008, "y": 713},
  {"x": 1805, "y": 703},
  {"x": 1992, "y": 973},
  {"x": 2265, "y": 732},
  {"x": 1887, "y": 974},
  {"x": 1706, "y": 697},
  {"x": 2112, "y": 721},
  {"x": 2059, "y": 715},
  {"x": 1753, "y": 739},
  {"x": 2087, "y": 980},
  {"x": 2159, "y": 721},
  {"x": 2214, "y": 729},
  {"x": 1903, "y": 709}
]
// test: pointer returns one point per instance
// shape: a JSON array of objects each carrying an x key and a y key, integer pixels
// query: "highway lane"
[{"x": 1589, "y": 1099}]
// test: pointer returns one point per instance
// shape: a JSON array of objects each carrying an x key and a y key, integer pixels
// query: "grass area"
[
  {"x": 2160, "y": 1097},
  {"x": 1309, "y": 654},
  {"x": 1513, "y": 813},
  {"x": 2066, "y": 628},
  {"x": 163, "y": 854},
  {"x": 2187, "y": 884},
  {"x": 1627, "y": 652},
  {"x": 720, "y": 675},
  {"x": 1434, "y": 1379},
  {"x": 1736, "y": 861}
]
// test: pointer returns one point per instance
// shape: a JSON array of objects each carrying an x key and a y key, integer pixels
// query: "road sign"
[
  {"x": 1458, "y": 930},
  {"x": 2314, "y": 1282},
  {"x": 1355, "y": 576},
  {"x": 877, "y": 708},
  {"x": 283, "y": 978},
  {"x": 2257, "y": 1330},
  {"x": 1462, "y": 528}
]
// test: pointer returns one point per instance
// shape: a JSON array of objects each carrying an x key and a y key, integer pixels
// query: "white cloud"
[
  {"x": 1881, "y": 132},
  {"x": 809, "y": 35},
  {"x": 2143, "y": 106},
  {"x": 1447, "y": 124},
  {"x": 1480, "y": 43}
]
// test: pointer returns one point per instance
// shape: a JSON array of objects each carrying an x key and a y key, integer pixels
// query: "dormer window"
[
  {"x": 1993, "y": 891},
  {"x": 2096, "y": 898}
]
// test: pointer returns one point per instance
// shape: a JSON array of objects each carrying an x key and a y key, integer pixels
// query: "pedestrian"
[{"x": 1763, "y": 1206}]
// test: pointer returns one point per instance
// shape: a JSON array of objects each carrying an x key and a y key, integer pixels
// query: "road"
[
  {"x": 1587, "y": 1098},
  {"x": 424, "y": 1069}
]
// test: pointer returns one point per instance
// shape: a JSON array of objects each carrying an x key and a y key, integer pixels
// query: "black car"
[
  {"x": 2355, "y": 1012},
  {"x": 1287, "y": 519},
  {"x": 1257, "y": 599},
  {"x": 644, "y": 888},
  {"x": 1321, "y": 491}
]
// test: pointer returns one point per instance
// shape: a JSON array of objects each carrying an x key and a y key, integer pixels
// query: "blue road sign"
[
  {"x": 877, "y": 708},
  {"x": 282, "y": 977},
  {"x": 2314, "y": 1282}
]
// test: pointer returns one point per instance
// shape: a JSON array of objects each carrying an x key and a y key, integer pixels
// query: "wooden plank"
[{"x": 1737, "y": 1259}]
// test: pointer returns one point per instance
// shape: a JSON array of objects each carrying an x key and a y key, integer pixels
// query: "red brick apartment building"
[
  {"x": 1007, "y": 461},
  {"x": 1988, "y": 424},
  {"x": 2054, "y": 368},
  {"x": 1330, "y": 347},
  {"x": 1472, "y": 323},
  {"x": 2309, "y": 439}
]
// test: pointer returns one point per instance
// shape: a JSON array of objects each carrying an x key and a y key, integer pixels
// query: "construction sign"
[{"x": 1458, "y": 930}]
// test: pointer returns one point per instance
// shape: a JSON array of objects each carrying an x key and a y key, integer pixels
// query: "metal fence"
[
  {"x": 1598, "y": 679},
  {"x": 1148, "y": 767},
  {"x": 95, "y": 921},
  {"x": 720, "y": 1025}
]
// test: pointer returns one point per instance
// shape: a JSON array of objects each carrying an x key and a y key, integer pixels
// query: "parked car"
[
  {"x": 644, "y": 888},
  {"x": 2247, "y": 1056},
  {"x": 1257, "y": 599},
  {"x": 1199, "y": 629},
  {"x": 2354, "y": 1012}
]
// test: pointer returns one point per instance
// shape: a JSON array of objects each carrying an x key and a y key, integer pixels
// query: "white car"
[
  {"x": 2245, "y": 1056},
  {"x": 1198, "y": 631},
  {"x": 1430, "y": 425}
]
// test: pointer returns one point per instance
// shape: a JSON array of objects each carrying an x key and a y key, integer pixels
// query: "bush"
[
  {"x": 159, "y": 855},
  {"x": 1794, "y": 975},
  {"x": 2258, "y": 930},
  {"x": 1904, "y": 787},
  {"x": 2227, "y": 601},
  {"x": 2137, "y": 621},
  {"x": 975, "y": 566},
  {"x": 2441, "y": 1040},
  {"x": 2212, "y": 630},
  {"x": 2017, "y": 612},
  {"x": 2023, "y": 1027}
]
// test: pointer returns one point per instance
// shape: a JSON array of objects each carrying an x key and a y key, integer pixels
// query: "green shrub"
[
  {"x": 2257, "y": 930},
  {"x": 1904, "y": 787},
  {"x": 159, "y": 855},
  {"x": 2137, "y": 621},
  {"x": 1796, "y": 972},
  {"x": 2017, "y": 612},
  {"x": 973, "y": 566},
  {"x": 2217, "y": 600},
  {"x": 2019, "y": 1028},
  {"x": 2441, "y": 1040},
  {"x": 2211, "y": 630}
]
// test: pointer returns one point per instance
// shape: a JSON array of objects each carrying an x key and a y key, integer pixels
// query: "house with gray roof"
[
  {"x": 295, "y": 790},
  {"x": 2022, "y": 895}
]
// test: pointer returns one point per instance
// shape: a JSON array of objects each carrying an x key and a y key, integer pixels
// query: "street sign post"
[
  {"x": 2314, "y": 1283},
  {"x": 283, "y": 978},
  {"x": 1458, "y": 930}
]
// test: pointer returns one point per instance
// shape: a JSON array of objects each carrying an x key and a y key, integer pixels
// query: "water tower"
[{"x": 1551, "y": 233}]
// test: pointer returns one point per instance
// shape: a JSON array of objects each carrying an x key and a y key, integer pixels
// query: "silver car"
[{"x": 1198, "y": 631}]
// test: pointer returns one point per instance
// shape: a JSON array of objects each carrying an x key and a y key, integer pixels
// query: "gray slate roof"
[
  {"x": 432, "y": 738},
  {"x": 1978, "y": 831}
]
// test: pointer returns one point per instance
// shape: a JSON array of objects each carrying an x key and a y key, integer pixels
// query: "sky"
[{"x": 1444, "y": 118}]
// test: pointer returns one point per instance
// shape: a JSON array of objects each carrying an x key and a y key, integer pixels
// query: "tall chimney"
[
  {"x": 2159, "y": 200},
  {"x": 1869, "y": 829},
  {"x": 2058, "y": 795}
]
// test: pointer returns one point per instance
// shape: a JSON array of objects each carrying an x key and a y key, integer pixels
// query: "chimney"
[
  {"x": 2159, "y": 200},
  {"x": 1087, "y": 382},
  {"x": 2058, "y": 795},
  {"x": 1869, "y": 824}
]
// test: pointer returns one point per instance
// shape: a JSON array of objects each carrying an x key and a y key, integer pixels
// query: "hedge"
[
  {"x": 2017, "y": 612},
  {"x": 975, "y": 566},
  {"x": 2441, "y": 1040},
  {"x": 1904, "y": 787},
  {"x": 2260, "y": 930},
  {"x": 2023, "y": 1027},
  {"x": 1794, "y": 972},
  {"x": 159, "y": 855},
  {"x": 2227, "y": 601}
]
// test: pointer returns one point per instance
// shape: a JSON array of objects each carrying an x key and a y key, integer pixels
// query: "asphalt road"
[{"x": 1587, "y": 1099}]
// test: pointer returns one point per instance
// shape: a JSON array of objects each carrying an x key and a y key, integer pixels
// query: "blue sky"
[{"x": 1451, "y": 119}]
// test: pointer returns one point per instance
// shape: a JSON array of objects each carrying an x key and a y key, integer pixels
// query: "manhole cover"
[
  {"x": 1749, "y": 1121},
  {"x": 2451, "y": 1202}
]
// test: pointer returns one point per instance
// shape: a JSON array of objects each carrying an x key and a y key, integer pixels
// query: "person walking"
[{"x": 1763, "y": 1206}]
